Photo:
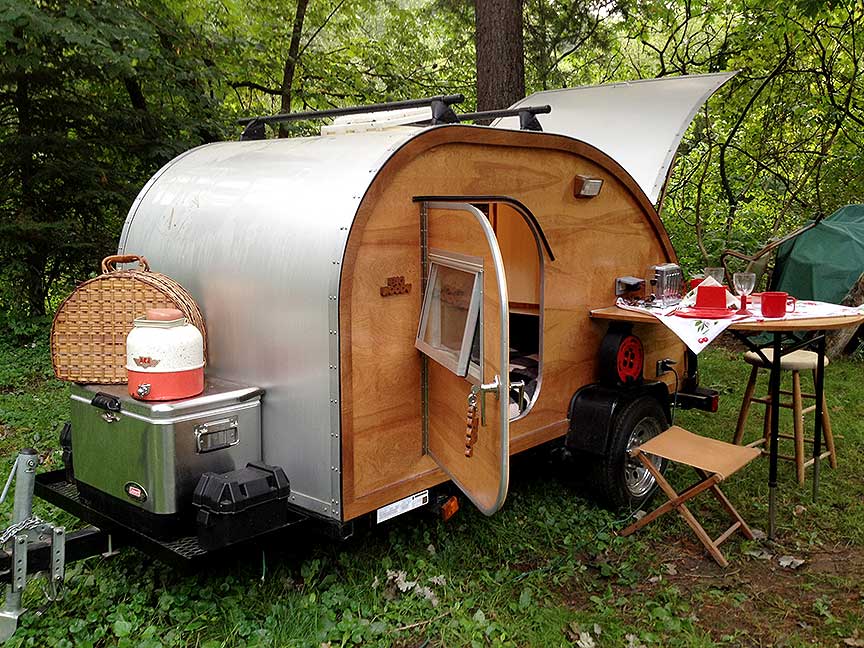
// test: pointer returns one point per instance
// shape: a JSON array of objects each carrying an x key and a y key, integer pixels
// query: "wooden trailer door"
[{"x": 464, "y": 335}]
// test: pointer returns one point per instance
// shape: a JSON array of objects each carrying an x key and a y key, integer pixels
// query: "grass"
[{"x": 548, "y": 570}]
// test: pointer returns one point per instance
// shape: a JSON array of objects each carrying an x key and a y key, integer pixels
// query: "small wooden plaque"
[{"x": 395, "y": 286}]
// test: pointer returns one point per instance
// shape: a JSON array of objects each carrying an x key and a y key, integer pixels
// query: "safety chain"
[{"x": 18, "y": 527}]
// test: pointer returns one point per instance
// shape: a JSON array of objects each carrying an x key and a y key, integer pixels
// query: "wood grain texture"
[
  {"x": 617, "y": 233},
  {"x": 520, "y": 253},
  {"x": 481, "y": 475}
]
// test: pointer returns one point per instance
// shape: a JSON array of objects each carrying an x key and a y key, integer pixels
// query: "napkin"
[{"x": 690, "y": 298}]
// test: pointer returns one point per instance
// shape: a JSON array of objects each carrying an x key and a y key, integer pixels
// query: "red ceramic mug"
[{"x": 776, "y": 304}]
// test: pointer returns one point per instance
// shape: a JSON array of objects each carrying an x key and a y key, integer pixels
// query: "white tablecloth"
[{"x": 699, "y": 333}]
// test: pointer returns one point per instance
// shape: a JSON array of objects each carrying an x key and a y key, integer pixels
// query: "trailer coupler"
[{"x": 26, "y": 529}]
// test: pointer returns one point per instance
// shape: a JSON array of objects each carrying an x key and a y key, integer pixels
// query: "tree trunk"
[
  {"x": 837, "y": 341},
  {"x": 30, "y": 285},
  {"x": 500, "y": 53},
  {"x": 291, "y": 61}
]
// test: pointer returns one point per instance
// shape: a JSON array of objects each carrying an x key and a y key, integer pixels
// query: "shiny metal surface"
[
  {"x": 255, "y": 231},
  {"x": 154, "y": 445},
  {"x": 637, "y": 478},
  {"x": 638, "y": 123}
]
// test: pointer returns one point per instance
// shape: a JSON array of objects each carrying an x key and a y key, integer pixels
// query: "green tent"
[{"x": 824, "y": 262}]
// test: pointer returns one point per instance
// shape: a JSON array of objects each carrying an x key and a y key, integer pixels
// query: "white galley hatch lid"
[{"x": 639, "y": 124}]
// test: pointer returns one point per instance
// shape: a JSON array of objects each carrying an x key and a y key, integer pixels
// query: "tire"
[{"x": 622, "y": 482}]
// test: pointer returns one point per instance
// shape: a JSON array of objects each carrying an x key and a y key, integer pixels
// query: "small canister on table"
[{"x": 164, "y": 357}]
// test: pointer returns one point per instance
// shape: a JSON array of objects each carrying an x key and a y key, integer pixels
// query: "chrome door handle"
[
  {"x": 520, "y": 386},
  {"x": 479, "y": 393}
]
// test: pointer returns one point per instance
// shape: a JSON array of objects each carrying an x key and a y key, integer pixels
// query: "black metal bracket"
[
  {"x": 442, "y": 113},
  {"x": 528, "y": 119},
  {"x": 254, "y": 131},
  {"x": 742, "y": 337},
  {"x": 81, "y": 544},
  {"x": 527, "y": 116}
]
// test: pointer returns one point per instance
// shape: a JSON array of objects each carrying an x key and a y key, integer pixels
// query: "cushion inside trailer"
[{"x": 524, "y": 358}]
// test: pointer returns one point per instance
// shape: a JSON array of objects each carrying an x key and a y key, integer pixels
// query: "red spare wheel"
[{"x": 622, "y": 358}]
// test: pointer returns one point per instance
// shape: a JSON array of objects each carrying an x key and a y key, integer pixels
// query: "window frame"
[{"x": 474, "y": 320}]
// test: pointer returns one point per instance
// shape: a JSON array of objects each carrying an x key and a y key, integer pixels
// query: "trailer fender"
[{"x": 593, "y": 409}]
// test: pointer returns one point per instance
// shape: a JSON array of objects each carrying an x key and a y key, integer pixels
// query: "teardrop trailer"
[{"x": 391, "y": 308}]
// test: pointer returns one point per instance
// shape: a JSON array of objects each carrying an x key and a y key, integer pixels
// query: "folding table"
[{"x": 813, "y": 330}]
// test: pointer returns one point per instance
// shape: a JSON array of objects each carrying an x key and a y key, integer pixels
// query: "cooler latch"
[{"x": 109, "y": 403}]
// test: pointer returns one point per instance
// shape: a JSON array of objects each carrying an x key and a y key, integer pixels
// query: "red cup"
[
  {"x": 695, "y": 281},
  {"x": 711, "y": 297},
  {"x": 776, "y": 304}
]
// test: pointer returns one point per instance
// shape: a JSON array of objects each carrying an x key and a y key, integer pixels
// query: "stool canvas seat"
[{"x": 714, "y": 461}]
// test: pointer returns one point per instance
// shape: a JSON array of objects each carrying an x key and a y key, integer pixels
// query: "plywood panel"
[
  {"x": 520, "y": 253},
  {"x": 483, "y": 474},
  {"x": 617, "y": 233}
]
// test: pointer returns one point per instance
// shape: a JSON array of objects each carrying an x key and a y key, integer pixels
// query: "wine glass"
[
  {"x": 717, "y": 274},
  {"x": 744, "y": 283}
]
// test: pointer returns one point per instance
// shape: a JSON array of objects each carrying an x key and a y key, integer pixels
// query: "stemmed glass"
[{"x": 744, "y": 283}]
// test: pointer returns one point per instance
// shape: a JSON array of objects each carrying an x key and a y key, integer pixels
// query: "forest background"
[{"x": 96, "y": 95}]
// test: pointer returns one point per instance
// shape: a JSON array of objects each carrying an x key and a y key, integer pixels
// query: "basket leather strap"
[{"x": 109, "y": 263}]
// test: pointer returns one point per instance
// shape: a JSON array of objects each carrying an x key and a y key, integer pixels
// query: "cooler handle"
[{"x": 106, "y": 402}]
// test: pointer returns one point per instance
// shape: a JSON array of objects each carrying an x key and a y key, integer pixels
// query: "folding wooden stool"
[{"x": 713, "y": 461}]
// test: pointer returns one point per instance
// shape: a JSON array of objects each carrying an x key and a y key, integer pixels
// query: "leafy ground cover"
[{"x": 549, "y": 570}]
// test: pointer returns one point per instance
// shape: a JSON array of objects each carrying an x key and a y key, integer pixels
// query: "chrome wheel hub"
[{"x": 637, "y": 479}]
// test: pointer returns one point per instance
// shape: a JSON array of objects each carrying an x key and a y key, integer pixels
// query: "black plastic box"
[{"x": 240, "y": 504}]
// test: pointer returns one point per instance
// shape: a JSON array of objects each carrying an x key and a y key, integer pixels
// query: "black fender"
[{"x": 594, "y": 407}]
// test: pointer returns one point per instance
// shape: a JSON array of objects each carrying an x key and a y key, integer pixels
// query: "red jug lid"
[{"x": 163, "y": 314}]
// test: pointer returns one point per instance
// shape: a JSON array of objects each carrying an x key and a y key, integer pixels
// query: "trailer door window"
[{"x": 451, "y": 310}]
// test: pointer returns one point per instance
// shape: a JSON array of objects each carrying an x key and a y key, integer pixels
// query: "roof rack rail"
[
  {"x": 526, "y": 114},
  {"x": 442, "y": 113}
]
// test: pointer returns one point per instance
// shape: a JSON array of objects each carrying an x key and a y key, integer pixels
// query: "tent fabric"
[{"x": 823, "y": 263}]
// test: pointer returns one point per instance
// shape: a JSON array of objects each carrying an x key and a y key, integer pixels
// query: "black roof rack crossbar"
[
  {"x": 441, "y": 113},
  {"x": 526, "y": 114}
]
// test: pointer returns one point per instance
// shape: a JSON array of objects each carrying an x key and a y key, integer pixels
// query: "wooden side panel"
[
  {"x": 521, "y": 257},
  {"x": 593, "y": 240}
]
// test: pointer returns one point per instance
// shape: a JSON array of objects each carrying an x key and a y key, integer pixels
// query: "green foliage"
[
  {"x": 780, "y": 144},
  {"x": 94, "y": 97}
]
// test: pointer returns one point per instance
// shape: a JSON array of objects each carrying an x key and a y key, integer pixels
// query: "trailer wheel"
[{"x": 622, "y": 481}]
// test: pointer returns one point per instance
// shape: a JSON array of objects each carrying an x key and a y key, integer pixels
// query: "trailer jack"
[{"x": 25, "y": 529}]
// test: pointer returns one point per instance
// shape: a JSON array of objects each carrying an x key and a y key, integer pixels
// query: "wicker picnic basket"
[{"x": 88, "y": 336}]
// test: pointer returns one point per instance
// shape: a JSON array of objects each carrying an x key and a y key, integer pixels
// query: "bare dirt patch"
[{"x": 760, "y": 603}]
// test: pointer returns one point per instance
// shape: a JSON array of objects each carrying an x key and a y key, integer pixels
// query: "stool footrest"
[
  {"x": 824, "y": 455},
  {"x": 728, "y": 532},
  {"x": 787, "y": 399}
]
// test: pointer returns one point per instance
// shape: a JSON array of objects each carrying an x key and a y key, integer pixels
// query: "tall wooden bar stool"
[
  {"x": 713, "y": 461},
  {"x": 796, "y": 362}
]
